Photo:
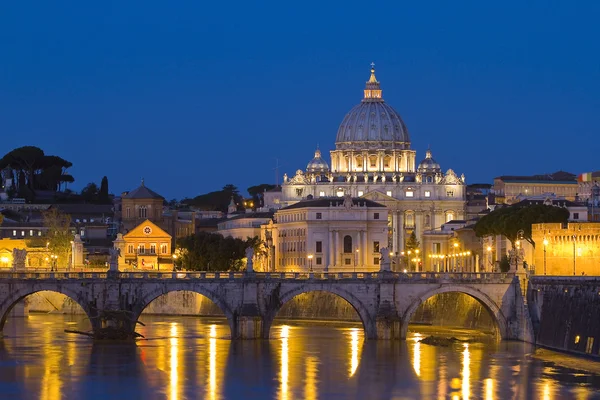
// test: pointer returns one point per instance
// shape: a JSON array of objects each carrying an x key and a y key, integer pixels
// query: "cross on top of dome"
[{"x": 372, "y": 88}]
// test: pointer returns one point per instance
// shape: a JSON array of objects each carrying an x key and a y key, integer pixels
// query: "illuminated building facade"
[
  {"x": 573, "y": 249},
  {"x": 373, "y": 160},
  {"x": 326, "y": 234}
]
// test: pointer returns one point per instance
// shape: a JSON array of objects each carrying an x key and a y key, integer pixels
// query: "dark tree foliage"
[
  {"x": 36, "y": 170},
  {"x": 218, "y": 200},
  {"x": 508, "y": 221},
  {"x": 89, "y": 193},
  {"x": 257, "y": 193},
  {"x": 103, "y": 197},
  {"x": 206, "y": 251},
  {"x": 504, "y": 263}
]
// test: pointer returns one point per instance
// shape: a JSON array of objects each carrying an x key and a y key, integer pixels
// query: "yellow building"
[
  {"x": 573, "y": 249},
  {"x": 148, "y": 247},
  {"x": 37, "y": 257}
]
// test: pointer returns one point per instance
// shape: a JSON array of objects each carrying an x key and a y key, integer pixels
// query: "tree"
[
  {"x": 36, "y": 170},
  {"x": 412, "y": 243},
  {"x": 103, "y": 197},
  {"x": 508, "y": 221},
  {"x": 218, "y": 200},
  {"x": 59, "y": 235},
  {"x": 504, "y": 263},
  {"x": 89, "y": 194},
  {"x": 257, "y": 193},
  {"x": 206, "y": 251}
]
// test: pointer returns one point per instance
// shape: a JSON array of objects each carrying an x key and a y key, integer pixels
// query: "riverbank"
[{"x": 568, "y": 360}]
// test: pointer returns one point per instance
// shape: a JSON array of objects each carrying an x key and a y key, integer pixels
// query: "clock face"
[{"x": 147, "y": 230}]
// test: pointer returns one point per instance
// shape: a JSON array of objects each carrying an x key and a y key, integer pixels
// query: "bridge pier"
[{"x": 387, "y": 321}]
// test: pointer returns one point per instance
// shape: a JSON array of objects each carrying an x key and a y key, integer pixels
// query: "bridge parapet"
[{"x": 410, "y": 277}]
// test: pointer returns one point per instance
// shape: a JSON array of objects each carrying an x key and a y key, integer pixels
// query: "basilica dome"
[
  {"x": 372, "y": 124},
  {"x": 429, "y": 164},
  {"x": 317, "y": 165}
]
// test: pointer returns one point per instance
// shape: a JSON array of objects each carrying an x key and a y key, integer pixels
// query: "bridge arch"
[
  {"x": 368, "y": 322},
  {"x": 140, "y": 305},
  {"x": 19, "y": 294},
  {"x": 489, "y": 304}
]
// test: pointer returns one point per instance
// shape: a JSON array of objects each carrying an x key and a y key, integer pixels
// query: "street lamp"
[
  {"x": 355, "y": 258},
  {"x": 489, "y": 250},
  {"x": 545, "y": 245},
  {"x": 310, "y": 257},
  {"x": 174, "y": 259}
]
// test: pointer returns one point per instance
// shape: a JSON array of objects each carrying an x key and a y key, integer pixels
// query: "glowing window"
[
  {"x": 410, "y": 194},
  {"x": 427, "y": 193},
  {"x": 360, "y": 193},
  {"x": 389, "y": 193},
  {"x": 321, "y": 194}
]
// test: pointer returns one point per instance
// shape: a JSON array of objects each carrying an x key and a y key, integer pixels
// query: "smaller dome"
[
  {"x": 429, "y": 164},
  {"x": 317, "y": 165}
]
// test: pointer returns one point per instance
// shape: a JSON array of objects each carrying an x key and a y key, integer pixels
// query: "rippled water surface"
[{"x": 193, "y": 358}]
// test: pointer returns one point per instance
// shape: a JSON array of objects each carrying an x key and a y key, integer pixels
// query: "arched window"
[
  {"x": 449, "y": 216},
  {"x": 429, "y": 179},
  {"x": 142, "y": 211},
  {"x": 427, "y": 220},
  {"x": 347, "y": 244}
]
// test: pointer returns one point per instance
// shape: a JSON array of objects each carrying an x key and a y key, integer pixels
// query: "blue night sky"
[{"x": 192, "y": 95}]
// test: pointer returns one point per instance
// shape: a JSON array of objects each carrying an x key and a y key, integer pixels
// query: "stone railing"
[{"x": 409, "y": 277}]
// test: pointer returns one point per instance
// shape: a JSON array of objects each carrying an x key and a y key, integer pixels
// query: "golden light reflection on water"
[
  {"x": 466, "y": 373},
  {"x": 489, "y": 389},
  {"x": 284, "y": 374},
  {"x": 417, "y": 353},
  {"x": 354, "y": 333},
  {"x": 310, "y": 387},
  {"x": 51, "y": 381},
  {"x": 174, "y": 363},
  {"x": 212, "y": 362}
]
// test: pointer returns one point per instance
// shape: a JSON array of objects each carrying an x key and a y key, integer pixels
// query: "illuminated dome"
[
  {"x": 317, "y": 165},
  {"x": 429, "y": 164},
  {"x": 372, "y": 123}
]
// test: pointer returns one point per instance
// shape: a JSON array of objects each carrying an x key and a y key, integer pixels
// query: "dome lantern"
[{"x": 372, "y": 88}]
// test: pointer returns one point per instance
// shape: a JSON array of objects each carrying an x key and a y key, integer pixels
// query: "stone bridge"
[{"x": 384, "y": 301}]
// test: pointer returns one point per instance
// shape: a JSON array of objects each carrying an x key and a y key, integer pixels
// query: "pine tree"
[{"x": 103, "y": 193}]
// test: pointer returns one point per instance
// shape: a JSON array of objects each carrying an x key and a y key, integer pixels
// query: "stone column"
[
  {"x": 357, "y": 256},
  {"x": 400, "y": 232},
  {"x": 365, "y": 246},
  {"x": 338, "y": 249},
  {"x": 395, "y": 230},
  {"x": 331, "y": 251}
]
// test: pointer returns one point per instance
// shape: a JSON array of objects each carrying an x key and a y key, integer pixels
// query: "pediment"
[
  {"x": 146, "y": 229},
  {"x": 379, "y": 197}
]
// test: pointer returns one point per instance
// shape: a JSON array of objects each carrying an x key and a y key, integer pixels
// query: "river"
[{"x": 193, "y": 358}]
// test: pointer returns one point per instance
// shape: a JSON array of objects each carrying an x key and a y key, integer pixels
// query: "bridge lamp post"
[
  {"x": 174, "y": 260},
  {"x": 489, "y": 250},
  {"x": 545, "y": 245},
  {"x": 310, "y": 258},
  {"x": 355, "y": 258}
]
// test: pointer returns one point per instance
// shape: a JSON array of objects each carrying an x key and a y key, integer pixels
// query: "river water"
[{"x": 193, "y": 358}]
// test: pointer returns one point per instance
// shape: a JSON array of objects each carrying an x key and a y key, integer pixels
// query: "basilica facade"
[{"x": 373, "y": 159}]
